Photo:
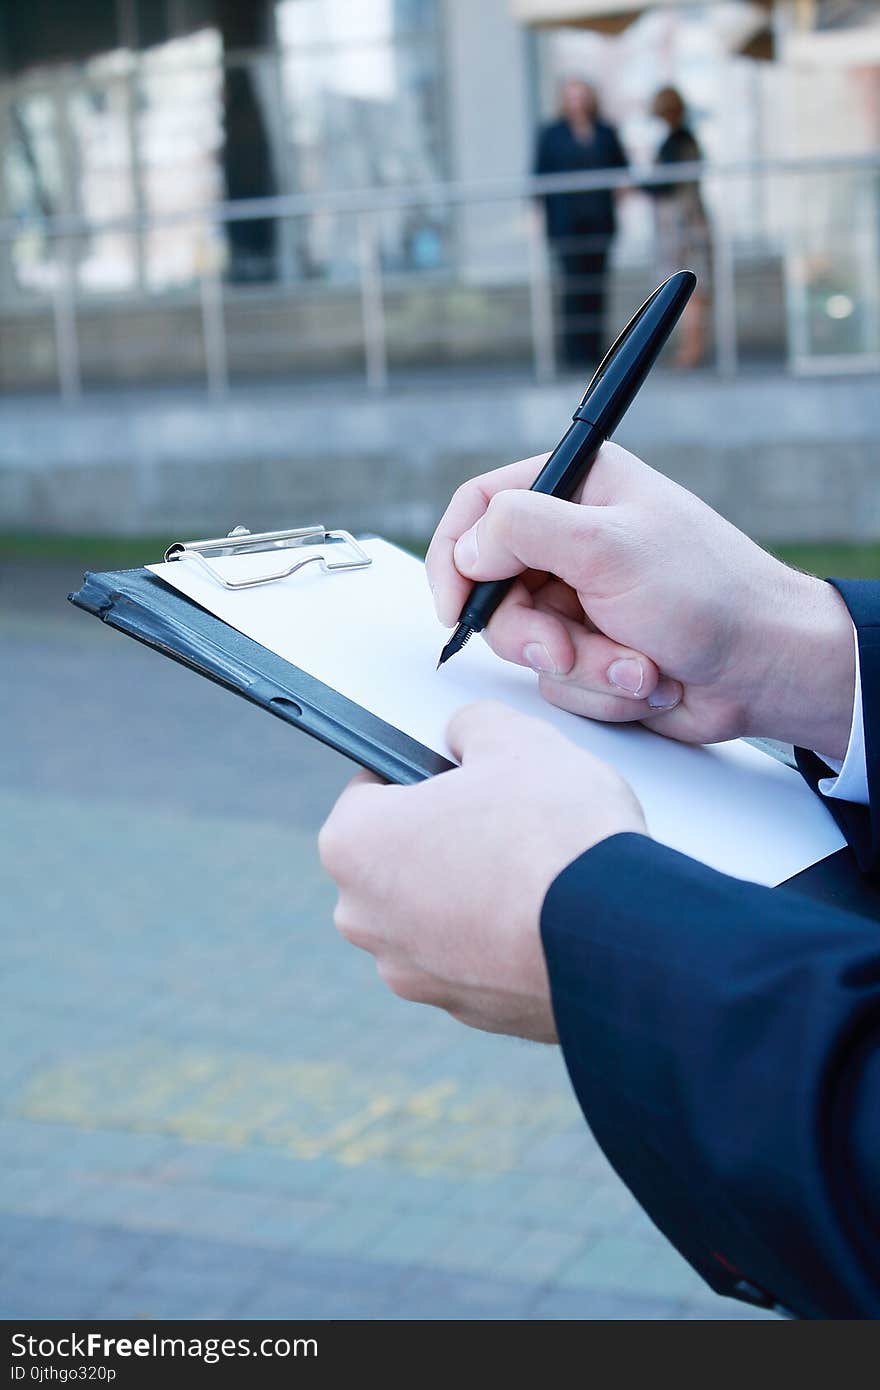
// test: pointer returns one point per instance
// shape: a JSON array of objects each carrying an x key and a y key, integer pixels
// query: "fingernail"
[
  {"x": 467, "y": 551},
  {"x": 627, "y": 674},
  {"x": 666, "y": 694},
  {"x": 536, "y": 655}
]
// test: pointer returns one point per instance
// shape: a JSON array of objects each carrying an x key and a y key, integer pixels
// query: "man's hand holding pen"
[
  {"x": 641, "y": 603},
  {"x": 634, "y": 601}
]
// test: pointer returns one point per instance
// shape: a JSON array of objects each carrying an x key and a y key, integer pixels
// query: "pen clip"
[
  {"x": 617, "y": 345},
  {"x": 626, "y": 364}
]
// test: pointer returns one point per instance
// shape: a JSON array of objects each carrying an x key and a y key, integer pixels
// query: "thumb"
[
  {"x": 488, "y": 728},
  {"x": 528, "y": 530}
]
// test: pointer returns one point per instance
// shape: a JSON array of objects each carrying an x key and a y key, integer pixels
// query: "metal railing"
[{"x": 366, "y": 208}]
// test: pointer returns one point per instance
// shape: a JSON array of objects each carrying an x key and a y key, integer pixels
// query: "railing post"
[
  {"x": 372, "y": 306},
  {"x": 540, "y": 300},
  {"x": 213, "y": 331},
  {"x": 724, "y": 288},
  {"x": 66, "y": 338},
  {"x": 866, "y": 260}
]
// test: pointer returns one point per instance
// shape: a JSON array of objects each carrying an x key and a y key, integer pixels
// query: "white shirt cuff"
[{"x": 851, "y": 782}]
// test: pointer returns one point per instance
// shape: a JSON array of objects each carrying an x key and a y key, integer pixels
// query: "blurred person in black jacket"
[
  {"x": 580, "y": 225},
  {"x": 682, "y": 227}
]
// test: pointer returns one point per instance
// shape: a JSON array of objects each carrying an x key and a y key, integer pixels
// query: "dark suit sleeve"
[
  {"x": 723, "y": 1041},
  {"x": 860, "y": 824}
]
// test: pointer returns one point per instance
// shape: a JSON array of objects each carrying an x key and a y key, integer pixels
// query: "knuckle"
[
  {"x": 342, "y": 836},
  {"x": 466, "y": 713},
  {"x": 502, "y": 510},
  {"x": 348, "y": 926},
  {"x": 519, "y": 519},
  {"x": 342, "y": 921},
  {"x": 586, "y": 528},
  {"x": 513, "y": 521},
  {"x": 329, "y": 844},
  {"x": 406, "y": 984},
  {"x": 484, "y": 717},
  {"x": 464, "y": 492},
  {"x": 460, "y": 726},
  {"x": 504, "y": 636}
]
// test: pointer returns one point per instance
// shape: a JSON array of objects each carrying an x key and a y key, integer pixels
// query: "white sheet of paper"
[{"x": 372, "y": 635}]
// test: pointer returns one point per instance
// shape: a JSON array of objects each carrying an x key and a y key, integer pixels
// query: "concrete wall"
[{"x": 782, "y": 457}]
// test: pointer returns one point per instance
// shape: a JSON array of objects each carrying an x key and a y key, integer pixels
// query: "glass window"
[
  {"x": 31, "y": 163},
  {"x": 303, "y": 23},
  {"x": 349, "y": 99},
  {"x": 361, "y": 109},
  {"x": 180, "y": 140},
  {"x": 834, "y": 267},
  {"x": 98, "y": 122}
]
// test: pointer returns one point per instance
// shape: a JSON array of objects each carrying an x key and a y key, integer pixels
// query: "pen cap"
[{"x": 629, "y": 360}]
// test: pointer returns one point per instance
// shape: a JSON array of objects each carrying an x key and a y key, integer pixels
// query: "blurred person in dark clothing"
[
  {"x": 682, "y": 227},
  {"x": 248, "y": 168},
  {"x": 580, "y": 225}
]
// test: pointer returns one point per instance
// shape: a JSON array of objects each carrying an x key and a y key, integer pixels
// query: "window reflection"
[
  {"x": 98, "y": 119},
  {"x": 179, "y": 141},
  {"x": 834, "y": 268},
  {"x": 312, "y": 22},
  {"x": 362, "y": 110},
  {"x": 348, "y": 98},
  {"x": 31, "y": 164}
]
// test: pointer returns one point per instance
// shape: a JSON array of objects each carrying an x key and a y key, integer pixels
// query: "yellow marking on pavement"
[{"x": 308, "y": 1109}]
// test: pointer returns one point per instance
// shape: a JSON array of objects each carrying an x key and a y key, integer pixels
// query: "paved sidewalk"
[{"x": 209, "y": 1105}]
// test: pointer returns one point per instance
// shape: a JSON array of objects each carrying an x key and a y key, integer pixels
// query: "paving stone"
[
  {"x": 294, "y": 1301},
  {"x": 540, "y": 1254},
  {"x": 566, "y": 1305},
  {"x": 209, "y": 1106},
  {"x": 347, "y": 1230},
  {"x": 412, "y": 1237},
  {"x": 225, "y": 1286},
  {"x": 616, "y": 1264},
  {"x": 478, "y": 1246},
  {"x": 442, "y": 1294},
  {"x": 68, "y": 1252},
  {"x": 46, "y": 1299},
  {"x": 383, "y": 1278}
]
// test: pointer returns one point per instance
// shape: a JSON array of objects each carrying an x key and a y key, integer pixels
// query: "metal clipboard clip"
[{"x": 241, "y": 541}]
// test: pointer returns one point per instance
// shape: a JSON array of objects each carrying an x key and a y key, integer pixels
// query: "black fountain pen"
[{"x": 606, "y": 401}]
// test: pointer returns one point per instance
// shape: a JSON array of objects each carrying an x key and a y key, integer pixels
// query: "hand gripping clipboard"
[
  {"x": 177, "y": 617},
  {"x": 141, "y": 605}
]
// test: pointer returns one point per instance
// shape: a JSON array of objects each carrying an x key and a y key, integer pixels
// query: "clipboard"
[
  {"x": 136, "y": 602},
  {"x": 390, "y": 716}
]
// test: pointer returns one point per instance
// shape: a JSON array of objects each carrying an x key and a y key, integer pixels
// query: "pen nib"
[{"x": 455, "y": 643}]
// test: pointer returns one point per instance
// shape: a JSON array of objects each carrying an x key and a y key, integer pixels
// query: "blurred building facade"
[
  {"x": 122, "y": 112},
  {"x": 219, "y": 222}
]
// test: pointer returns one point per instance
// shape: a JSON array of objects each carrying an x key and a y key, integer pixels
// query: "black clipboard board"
[{"x": 143, "y": 606}]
